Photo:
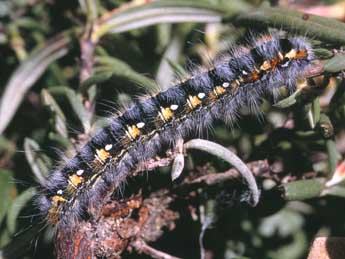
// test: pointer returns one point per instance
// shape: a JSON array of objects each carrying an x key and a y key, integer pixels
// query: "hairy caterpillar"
[{"x": 76, "y": 191}]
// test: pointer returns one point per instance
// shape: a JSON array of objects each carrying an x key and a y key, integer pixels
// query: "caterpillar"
[{"x": 250, "y": 73}]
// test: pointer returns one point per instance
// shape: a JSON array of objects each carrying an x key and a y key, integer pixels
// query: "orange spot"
[
  {"x": 301, "y": 54},
  {"x": 254, "y": 75},
  {"x": 274, "y": 63}
]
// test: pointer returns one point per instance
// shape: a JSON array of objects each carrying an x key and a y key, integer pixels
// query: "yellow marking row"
[{"x": 166, "y": 114}]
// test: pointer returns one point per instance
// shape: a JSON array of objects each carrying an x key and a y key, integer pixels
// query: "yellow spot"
[
  {"x": 56, "y": 200},
  {"x": 291, "y": 54},
  {"x": 75, "y": 180},
  {"x": 132, "y": 132},
  {"x": 218, "y": 90},
  {"x": 266, "y": 65},
  {"x": 53, "y": 215},
  {"x": 235, "y": 84},
  {"x": 101, "y": 155},
  {"x": 193, "y": 102},
  {"x": 166, "y": 114}
]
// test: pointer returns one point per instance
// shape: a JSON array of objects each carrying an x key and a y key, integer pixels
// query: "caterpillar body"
[{"x": 77, "y": 190}]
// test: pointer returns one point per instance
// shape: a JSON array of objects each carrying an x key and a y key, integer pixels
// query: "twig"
[
  {"x": 205, "y": 226},
  {"x": 87, "y": 48},
  {"x": 142, "y": 247}
]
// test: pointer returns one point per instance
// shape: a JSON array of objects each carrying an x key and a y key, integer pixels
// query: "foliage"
[{"x": 66, "y": 64}]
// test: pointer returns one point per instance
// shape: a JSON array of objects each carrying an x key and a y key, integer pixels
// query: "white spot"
[
  {"x": 285, "y": 65},
  {"x": 140, "y": 125},
  {"x": 59, "y": 192},
  {"x": 80, "y": 172},
  {"x": 174, "y": 107},
  {"x": 226, "y": 84},
  {"x": 244, "y": 72},
  {"x": 201, "y": 95},
  {"x": 108, "y": 147}
]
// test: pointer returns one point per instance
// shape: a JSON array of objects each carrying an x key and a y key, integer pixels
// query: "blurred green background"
[{"x": 66, "y": 65}]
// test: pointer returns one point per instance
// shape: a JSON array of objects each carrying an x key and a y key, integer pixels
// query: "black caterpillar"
[{"x": 251, "y": 72}]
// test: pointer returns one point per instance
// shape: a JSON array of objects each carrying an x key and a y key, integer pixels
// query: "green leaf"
[
  {"x": 76, "y": 101},
  {"x": 119, "y": 68},
  {"x": 178, "y": 69},
  {"x": 17, "y": 205},
  {"x": 95, "y": 79},
  {"x": 302, "y": 189},
  {"x": 59, "y": 117},
  {"x": 31, "y": 24},
  {"x": 325, "y": 126},
  {"x": 165, "y": 12},
  {"x": 166, "y": 71},
  {"x": 337, "y": 190},
  {"x": 27, "y": 74},
  {"x": 295, "y": 249},
  {"x": 314, "y": 113},
  {"x": 271, "y": 225},
  {"x": 38, "y": 162},
  {"x": 317, "y": 27},
  {"x": 289, "y": 101},
  {"x": 333, "y": 156},
  {"x": 335, "y": 64},
  {"x": 7, "y": 191},
  {"x": 323, "y": 53}
]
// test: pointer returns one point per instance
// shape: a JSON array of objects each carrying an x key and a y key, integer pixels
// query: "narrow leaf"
[
  {"x": 38, "y": 162},
  {"x": 7, "y": 191},
  {"x": 27, "y": 74},
  {"x": 322, "y": 28},
  {"x": 161, "y": 12},
  {"x": 76, "y": 102},
  {"x": 17, "y": 205},
  {"x": 59, "y": 117},
  {"x": 335, "y": 64},
  {"x": 121, "y": 69},
  {"x": 289, "y": 101}
]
